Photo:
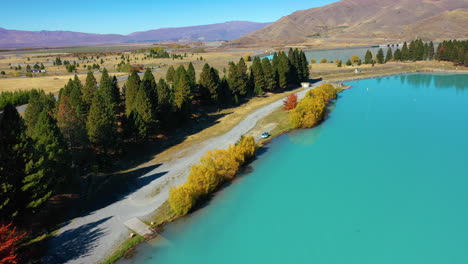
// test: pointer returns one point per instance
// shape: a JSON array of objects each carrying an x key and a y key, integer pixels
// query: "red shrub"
[
  {"x": 9, "y": 238},
  {"x": 290, "y": 102}
]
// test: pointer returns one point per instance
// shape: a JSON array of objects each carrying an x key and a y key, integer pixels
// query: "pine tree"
[
  {"x": 148, "y": 83},
  {"x": 204, "y": 82},
  {"x": 389, "y": 56},
  {"x": 182, "y": 94},
  {"x": 102, "y": 125},
  {"x": 293, "y": 62},
  {"x": 170, "y": 74},
  {"x": 52, "y": 164},
  {"x": 209, "y": 84},
  {"x": 419, "y": 50},
  {"x": 397, "y": 55},
  {"x": 143, "y": 108},
  {"x": 38, "y": 102},
  {"x": 305, "y": 67},
  {"x": 15, "y": 154},
  {"x": 243, "y": 77},
  {"x": 430, "y": 52},
  {"x": 269, "y": 73},
  {"x": 165, "y": 99},
  {"x": 426, "y": 51},
  {"x": 165, "y": 96},
  {"x": 71, "y": 124},
  {"x": 191, "y": 74},
  {"x": 380, "y": 56},
  {"x": 225, "y": 93},
  {"x": 131, "y": 90},
  {"x": 233, "y": 78},
  {"x": 368, "y": 57},
  {"x": 110, "y": 89},
  {"x": 76, "y": 96},
  {"x": 405, "y": 52},
  {"x": 238, "y": 78},
  {"x": 258, "y": 76},
  {"x": 340, "y": 64},
  {"x": 349, "y": 63},
  {"x": 89, "y": 89},
  {"x": 412, "y": 50},
  {"x": 179, "y": 73},
  {"x": 285, "y": 67}
]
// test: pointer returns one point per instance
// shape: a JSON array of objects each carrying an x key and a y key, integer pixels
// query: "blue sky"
[{"x": 123, "y": 17}]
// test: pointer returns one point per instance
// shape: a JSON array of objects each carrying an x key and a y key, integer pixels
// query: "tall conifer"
[
  {"x": 131, "y": 90},
  {"x": 89, "y": 89}
]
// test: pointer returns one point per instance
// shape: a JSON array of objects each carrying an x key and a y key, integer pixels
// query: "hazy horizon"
[{"x": 118, "y": 17}]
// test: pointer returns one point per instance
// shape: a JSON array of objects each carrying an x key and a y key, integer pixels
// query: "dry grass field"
[
  {"x": 57, "y": 76},
  {"x": 47, "y": 83}
]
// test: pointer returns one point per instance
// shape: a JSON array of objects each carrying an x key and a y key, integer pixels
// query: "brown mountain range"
[
  {"x": 364, "y": 21},
  {"x": 213, "y": 32}
]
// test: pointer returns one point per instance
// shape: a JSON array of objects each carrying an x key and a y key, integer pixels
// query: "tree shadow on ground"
[
  {"x": 112, "y": 188},
  {"x": 315, "y": 80},
  {"x": 74, "y": 243},
  {"x": 139, "y": 153}
]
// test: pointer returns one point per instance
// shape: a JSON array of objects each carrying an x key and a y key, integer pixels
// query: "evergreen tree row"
[
  {"x": 453, "y": 50},
  {"x": 417, "y": 50}
]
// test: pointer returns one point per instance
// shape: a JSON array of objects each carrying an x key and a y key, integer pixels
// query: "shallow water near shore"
[{"x": 383, "y": 180}]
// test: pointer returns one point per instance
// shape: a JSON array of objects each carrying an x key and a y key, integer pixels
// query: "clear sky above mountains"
[{"x": 123, "y": 17}]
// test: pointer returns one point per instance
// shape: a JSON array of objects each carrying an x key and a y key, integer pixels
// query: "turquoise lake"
[
  {"x": 383, "y": 180},
  {"x": 340, "y": 54}
]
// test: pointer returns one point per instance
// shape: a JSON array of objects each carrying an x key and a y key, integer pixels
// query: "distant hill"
[
  {"x": 355, "y": 20},
  {"x": 221, "y": 31}
]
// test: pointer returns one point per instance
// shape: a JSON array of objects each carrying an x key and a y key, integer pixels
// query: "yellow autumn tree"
[
  {"x": 203, "y": 179},
  {"x": 181, "y": 199},
  {"x": 325, "y": 91},
  {"x": 223, "y": 161},
  {"x": 214, "y": 168},
  {"x": 311, "y": 110},
  {"x": 247, "y": 146},
  {"x": 354, "y": 59}
]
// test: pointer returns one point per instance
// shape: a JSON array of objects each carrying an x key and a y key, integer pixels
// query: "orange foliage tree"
[
  {"x": 9, "y": 239},
  {"x": 290, "y": 102}
]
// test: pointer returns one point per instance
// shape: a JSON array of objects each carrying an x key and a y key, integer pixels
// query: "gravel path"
[{"x": 89, "y": 238}]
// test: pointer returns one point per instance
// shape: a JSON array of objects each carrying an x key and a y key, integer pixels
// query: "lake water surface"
[
  {"x": 383, "y": 180},
  {"x": 340, "y": 54}
]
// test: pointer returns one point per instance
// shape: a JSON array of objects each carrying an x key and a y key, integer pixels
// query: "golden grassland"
[
  {"x": 50, "y": 84},
  {"x": 57, "y": 76}
]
